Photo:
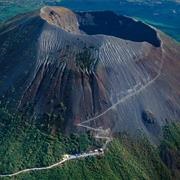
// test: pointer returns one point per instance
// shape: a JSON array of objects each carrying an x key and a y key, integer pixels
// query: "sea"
[{"x": 162, "y": 14}]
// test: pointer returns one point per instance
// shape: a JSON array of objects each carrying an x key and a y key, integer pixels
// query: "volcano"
[{"x": 99, "y": 69}]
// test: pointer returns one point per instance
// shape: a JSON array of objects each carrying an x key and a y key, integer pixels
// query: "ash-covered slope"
[{"x": 99, "y": 68}]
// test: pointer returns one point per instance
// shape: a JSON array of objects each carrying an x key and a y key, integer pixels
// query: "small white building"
[{"x": 65, "y": 156}]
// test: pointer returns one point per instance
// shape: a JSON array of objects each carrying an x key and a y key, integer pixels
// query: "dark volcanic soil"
[
  {"x": 109, "y": 23},
  {"x": 55, "y": 68}
]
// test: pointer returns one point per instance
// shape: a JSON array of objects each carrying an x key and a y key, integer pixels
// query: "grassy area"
[
  {"x": 170, "y": 149},
  {"x": 23, "y": 145},
  {"x": 124, "y": 159}
]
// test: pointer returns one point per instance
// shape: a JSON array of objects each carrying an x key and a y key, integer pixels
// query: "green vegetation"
[
  {"x": 170, "y": 149},
  {"x": 125, "y": 159},
  {"x": 23, "y": 145}
]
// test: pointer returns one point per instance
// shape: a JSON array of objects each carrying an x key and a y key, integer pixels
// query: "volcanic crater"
[{"x": 106, "y": 70}]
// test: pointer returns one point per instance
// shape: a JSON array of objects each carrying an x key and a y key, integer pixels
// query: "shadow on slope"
[{"x": 108, "y": 23}]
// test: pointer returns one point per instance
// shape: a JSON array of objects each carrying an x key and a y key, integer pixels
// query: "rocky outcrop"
[{"x": 61, "y": 17}]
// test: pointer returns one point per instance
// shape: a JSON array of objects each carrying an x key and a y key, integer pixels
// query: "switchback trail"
[
  {"x": 98, "y": 130},
  {"x": 71, "y": 157}
]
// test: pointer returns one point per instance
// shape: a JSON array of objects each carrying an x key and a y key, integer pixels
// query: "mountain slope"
[
  {"x": 125, "y": 157},
  {"x": 56, "y": 70}
]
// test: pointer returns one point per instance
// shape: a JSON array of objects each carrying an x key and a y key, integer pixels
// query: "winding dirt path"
[
  {"x": 108, "y": 139},
  {"x": 71, "y": 157}
]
